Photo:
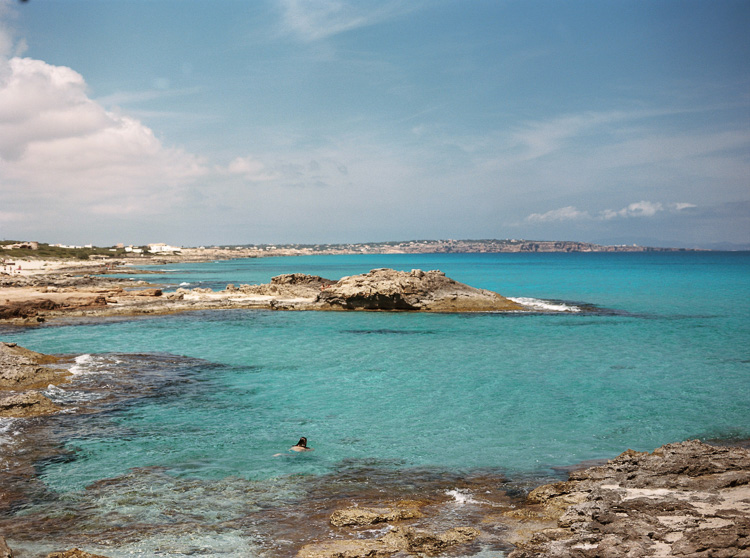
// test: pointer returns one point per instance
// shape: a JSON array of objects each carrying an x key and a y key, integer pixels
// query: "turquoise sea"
[{"x": 645, "y": 349}]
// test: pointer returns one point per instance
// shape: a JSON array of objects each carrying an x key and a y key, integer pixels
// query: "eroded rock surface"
[{"x": 684, "y": 499}]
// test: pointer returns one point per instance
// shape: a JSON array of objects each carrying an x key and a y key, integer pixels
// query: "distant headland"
[{"x": 40, "y": 250}]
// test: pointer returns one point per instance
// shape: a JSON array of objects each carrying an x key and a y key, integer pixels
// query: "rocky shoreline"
[{"x": 683, "y": 499}]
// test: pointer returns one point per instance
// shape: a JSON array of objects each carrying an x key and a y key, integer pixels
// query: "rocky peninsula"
[{"x": 36, "y": 298}]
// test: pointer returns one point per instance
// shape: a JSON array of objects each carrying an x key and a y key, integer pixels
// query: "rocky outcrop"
[
  {"x": 22, "y": 369},
  {"x": 388, "y": 289},
  {"x": 380, "y": 289},
  {"x": 685, "y": 499}
]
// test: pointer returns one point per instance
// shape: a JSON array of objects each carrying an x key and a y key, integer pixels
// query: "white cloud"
[
  {"x": 637, "y": 209},
  {"x": 317, "y": 20},
  {"x": 251, "y": 170},
  {"x": 568, "y": 213},
  {"x": 60, "y": 147},
  {"x": 682, "y": 206}
]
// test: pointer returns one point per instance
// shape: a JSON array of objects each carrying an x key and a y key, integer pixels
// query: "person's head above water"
[{"x": 301, "y": 445}]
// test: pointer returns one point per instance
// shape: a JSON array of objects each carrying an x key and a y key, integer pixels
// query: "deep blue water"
[{"x": 661, "y": 353}]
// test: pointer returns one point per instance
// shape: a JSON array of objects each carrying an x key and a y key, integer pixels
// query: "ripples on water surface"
[{"x": 191, "y": 408}]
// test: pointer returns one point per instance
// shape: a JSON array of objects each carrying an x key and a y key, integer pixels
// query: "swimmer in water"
[{"x": 301, "y": 445}]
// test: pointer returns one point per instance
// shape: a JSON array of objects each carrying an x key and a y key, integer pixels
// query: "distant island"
[{"x": 40, "y": 250}]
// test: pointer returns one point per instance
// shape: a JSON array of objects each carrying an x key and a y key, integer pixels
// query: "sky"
[{"x": 201, "y": 122}]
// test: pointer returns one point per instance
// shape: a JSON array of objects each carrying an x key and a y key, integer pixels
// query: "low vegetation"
[{"x": 46, "y": 251}]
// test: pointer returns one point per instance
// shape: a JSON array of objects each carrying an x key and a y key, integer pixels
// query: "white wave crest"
[
  {"x": 8, "y": 429},
  {"x": 461, "y": 496},
  {"x": 82, "y": 364},
  {"x": 545, "y": 305},
  {"x": 69, "y": 397},
  {"x": 184, "y": 284}
]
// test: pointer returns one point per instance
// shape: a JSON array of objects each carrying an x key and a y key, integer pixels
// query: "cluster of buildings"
[{"x": 158, "y": 248}]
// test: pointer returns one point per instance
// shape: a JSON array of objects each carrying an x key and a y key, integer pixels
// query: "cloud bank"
[{"x": 63, "y": 150}]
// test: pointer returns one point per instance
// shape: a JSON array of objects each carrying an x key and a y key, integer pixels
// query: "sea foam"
[
  {"x": 545, "y": 305},
  {"x": 82, "y": 364}
]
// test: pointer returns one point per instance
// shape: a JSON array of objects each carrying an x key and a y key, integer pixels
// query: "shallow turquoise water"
[{"x": 664, "y": 357}]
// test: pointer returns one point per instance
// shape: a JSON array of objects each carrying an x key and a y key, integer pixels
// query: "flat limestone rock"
[{"x": 26, "y": 404}]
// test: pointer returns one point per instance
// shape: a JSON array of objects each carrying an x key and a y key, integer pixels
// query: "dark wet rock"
[
  {"x": 430, "y": 291},
  {"x": 26, "y": 309},
  {"x": 26, "y": 404},
  {"x": 371, "y": 516},
  {"x": 685, "y": 499}
]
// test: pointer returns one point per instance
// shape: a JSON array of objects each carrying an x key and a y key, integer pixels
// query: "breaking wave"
[{"x": 545, "y": 305}]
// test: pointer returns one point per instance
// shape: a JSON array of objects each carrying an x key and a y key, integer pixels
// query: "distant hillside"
[{"x": 454, "y": 246}]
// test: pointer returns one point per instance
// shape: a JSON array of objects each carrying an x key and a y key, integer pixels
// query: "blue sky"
[{"x": 224, "y": 121}]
